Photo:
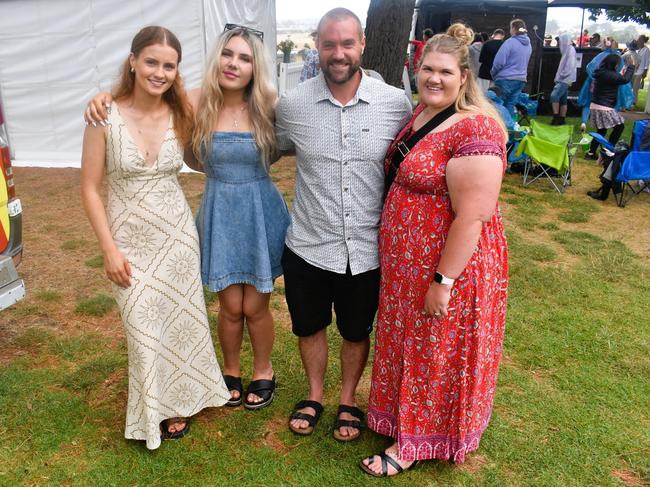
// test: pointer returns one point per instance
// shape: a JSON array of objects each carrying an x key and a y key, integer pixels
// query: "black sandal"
[
  {"x": 312, "y": 420},
  {"x": 349, "y": 423},
  {"x": 263, "y": 388},
  {"x": 234, "y": 384},
  {"x": 385, "y": 460},
  {"x": 165, "y": 434}
]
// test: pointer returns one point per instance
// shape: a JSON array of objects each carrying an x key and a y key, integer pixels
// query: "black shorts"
[{"x": 311, "y": 291}]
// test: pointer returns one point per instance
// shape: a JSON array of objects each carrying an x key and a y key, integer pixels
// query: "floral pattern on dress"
[
  {"x": 433, "y": 379},
  {"x": 163, "y": 311}
]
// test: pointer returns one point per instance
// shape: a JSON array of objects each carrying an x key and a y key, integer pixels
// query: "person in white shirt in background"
[
  {"x": 564, "y": 78},
  {"x": 643, "y": 61}
]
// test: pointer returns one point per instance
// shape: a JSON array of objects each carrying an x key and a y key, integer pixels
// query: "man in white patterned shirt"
[{"x": 340, "y": 124}]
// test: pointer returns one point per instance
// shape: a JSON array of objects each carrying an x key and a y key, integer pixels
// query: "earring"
[{"x": 132, "y": 69}]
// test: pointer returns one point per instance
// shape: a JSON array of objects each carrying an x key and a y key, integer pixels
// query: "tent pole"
[{"x": 582, "y": 26}]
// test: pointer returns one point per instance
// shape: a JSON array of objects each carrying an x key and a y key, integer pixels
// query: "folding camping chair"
[
  {"x": 526, "y": 107},
  {"x": 635, "y": 167},
  {"x": 550, "y": 151}
]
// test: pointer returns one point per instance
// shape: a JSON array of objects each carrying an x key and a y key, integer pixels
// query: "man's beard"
[{"x": 353, "y": 68}]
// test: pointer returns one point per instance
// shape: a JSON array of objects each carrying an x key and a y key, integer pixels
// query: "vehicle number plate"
[{"x": 14, "y": 207}]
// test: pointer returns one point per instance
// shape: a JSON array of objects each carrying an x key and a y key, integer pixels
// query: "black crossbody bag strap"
[{"x": 403, "y": 147}]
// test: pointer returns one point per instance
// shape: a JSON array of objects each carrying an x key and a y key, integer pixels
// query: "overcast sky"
[{"x": 313, "y": 9}]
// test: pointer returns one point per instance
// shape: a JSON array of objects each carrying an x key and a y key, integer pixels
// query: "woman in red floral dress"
[{"x": 444, "y": 264}]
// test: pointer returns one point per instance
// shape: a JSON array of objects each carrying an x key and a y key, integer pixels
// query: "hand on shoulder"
[{"x": 97, "y": 109}]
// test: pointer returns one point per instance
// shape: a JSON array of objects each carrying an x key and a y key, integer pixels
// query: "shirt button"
[
  {"x": 347, "y": 214},
  {"x": 349, "y": 238},
  {"x": 345, "y": 189},
  {"x": 345, "y": 136},
  {"x": 343, "y": 110},
  {"x": 345, "y": 163}
]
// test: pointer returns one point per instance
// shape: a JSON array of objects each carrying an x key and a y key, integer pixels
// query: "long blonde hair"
[
  {"x": 470, "y": 97},
  {"x": 260, "y": 96}
]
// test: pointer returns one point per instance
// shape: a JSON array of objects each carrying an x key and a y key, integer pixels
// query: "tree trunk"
[{"x": 388, "y": 26}]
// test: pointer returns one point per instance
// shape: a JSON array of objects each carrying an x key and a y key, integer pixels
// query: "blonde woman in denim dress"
[{"x": 243, "y": 219}]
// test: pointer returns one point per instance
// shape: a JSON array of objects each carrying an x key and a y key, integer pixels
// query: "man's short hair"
[
  {"x": 644, "y": 37},
  {"x": 499, "y": 32},
  {"x": 339, "y": 14}
]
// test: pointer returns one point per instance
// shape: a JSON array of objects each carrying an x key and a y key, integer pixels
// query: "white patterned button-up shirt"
[{"x": 339, "y": 169}]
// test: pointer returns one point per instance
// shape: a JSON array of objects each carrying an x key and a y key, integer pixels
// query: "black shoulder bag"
[{"x": 403, "y": 147}]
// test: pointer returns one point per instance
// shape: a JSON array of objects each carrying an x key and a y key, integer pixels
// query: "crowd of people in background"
[{"x": 509, "y": 76}]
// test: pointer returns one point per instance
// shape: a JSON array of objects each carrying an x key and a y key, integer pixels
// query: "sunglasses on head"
[{"x": 255, "y": 32}]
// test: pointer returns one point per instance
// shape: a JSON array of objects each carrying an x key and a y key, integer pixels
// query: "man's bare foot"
[
  {"x": 349, "y": 423},
  {"x": 305, "y": 416}
]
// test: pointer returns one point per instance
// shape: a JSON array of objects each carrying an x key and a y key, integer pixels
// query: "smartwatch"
[{"x": 442, "y": 279}]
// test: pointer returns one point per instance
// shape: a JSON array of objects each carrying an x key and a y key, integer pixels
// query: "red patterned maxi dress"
[{"x": 433, "y": 379}]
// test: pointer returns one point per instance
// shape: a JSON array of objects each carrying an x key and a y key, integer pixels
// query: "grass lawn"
[{"x": 572, "y": 405}]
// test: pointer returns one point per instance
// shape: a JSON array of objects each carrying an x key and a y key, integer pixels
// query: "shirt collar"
[{"x": 364, "y": 91}]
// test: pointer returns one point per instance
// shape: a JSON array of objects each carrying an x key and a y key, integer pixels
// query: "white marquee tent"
[{"x": 56, "y": 54}]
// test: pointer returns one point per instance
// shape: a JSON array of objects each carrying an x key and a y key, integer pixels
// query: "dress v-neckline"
[{"x": 137, "y": 148}]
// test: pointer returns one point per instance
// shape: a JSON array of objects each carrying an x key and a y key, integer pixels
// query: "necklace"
[{"x": 235, "y": 118}]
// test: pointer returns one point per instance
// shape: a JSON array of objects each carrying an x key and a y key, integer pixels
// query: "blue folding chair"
[{"x": 635, "y": 167}]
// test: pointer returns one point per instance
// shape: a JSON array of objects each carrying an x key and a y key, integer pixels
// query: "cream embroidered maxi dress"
[{"x": 173, "y": 369}]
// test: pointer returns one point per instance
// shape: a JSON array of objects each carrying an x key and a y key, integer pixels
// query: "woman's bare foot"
[
  {"x": 374, "y": 465},
  {"x": 258, "y": 375},
  {"x": 174, "y": 428},
  {"x": 174, "y": 425}
]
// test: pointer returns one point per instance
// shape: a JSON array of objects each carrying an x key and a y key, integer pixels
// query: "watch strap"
[{"x": 442, "y": 279}]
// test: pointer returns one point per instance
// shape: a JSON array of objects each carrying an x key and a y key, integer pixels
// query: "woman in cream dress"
[{"x": 150, "y": 244}]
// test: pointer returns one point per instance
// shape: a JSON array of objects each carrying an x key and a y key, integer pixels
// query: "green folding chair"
[{"x": 549, "y": 153}]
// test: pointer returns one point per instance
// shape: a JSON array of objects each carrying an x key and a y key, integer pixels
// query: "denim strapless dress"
[{"x": 243, "y": 219}]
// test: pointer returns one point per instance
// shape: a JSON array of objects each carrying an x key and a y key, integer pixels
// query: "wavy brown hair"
[
  {"x": 175, "y": 97},
  {"x": 260, "y": 96},
  {"x": 470, "y": 97}
]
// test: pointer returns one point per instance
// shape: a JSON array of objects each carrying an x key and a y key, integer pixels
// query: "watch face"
[{"x": 437, "y": 277}]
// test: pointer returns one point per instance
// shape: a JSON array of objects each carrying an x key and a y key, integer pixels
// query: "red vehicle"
[{"x": 12, "y": 287}]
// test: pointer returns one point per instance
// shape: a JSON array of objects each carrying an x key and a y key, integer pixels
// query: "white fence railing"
[{"x": 289, "y": 76}]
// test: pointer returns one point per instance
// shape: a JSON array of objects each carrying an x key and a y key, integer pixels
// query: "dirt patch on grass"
[
  {"x": 628, "y": 224},
  {"x": 271, "y": 436},
  {"x": 473, "y": 463},
  {"x": 630, "y": 479},
  {"x": 46, "y": 362},
  {"x": 111, "y": 393}
]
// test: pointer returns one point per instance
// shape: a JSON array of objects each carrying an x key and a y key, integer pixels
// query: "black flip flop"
[
  {"x": 165, "y": 434},
  {"x": 234, "y": 384},
  {"x": 311, "y": 420},
  {"x": 263, "y": 388}
]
